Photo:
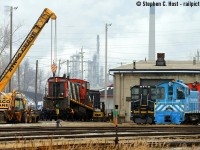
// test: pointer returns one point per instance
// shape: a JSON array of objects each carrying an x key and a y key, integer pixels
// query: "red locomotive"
[
  {"x": 67, "y": 99},
  {"x": 194, "y": 86}
]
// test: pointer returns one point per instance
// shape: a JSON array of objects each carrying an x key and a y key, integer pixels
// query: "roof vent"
[{"x": 160, "y": 59}]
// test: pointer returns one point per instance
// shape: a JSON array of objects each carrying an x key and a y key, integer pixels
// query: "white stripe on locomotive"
[{"x": 176, "y": 108}]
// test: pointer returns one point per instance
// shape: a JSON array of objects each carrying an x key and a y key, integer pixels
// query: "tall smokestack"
[
  {"x": 98, "y": 49},
  {"x": 152, "y": 34}
]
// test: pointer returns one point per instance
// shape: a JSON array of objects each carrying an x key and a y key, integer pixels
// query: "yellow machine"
[
  {"x": 8, "y": 102},
  {"x": 17, "y": 111},
  {"x": 98, "y": 115}
]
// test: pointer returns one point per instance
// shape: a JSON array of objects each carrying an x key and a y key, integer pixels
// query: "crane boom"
[{"x": 25, "y": 46}]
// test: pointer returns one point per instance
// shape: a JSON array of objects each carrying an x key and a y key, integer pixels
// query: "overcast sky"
[{"x": 80, "y": 21}]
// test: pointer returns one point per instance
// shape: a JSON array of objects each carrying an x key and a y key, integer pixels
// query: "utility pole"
[
  {"x": 67, "y": 67},
  {"x": 105, "y": 93},
  {"x": 11, "y": 36},
  {"x": 19, "y": 89},
  {"x": 24, "y": 87},
  {"x": 51, "y": 41},
  {"x": 96, "y": 77},
  {"x": 11, "y": 14}
]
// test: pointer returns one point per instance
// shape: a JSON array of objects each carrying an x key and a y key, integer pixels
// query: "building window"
[{"x": 180, "y": 93}]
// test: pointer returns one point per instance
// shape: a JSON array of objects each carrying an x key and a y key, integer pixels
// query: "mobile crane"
[{"x": 13, "y": 107}]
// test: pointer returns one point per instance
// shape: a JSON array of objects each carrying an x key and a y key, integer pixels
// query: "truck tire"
[
  {"x": 25, "y": 118},
  {"x": 30, "y": 119},
  {"x": 2, "y": 117}
]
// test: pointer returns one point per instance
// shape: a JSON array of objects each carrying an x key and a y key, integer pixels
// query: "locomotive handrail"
[
  {"x": 147, "y": 103},
  {"x": 75, "y": 101}
]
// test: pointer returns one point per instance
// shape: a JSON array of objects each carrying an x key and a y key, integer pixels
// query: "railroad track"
[
  {"x": 22, "y": 133},
  {"x": 175, "y": 135}
]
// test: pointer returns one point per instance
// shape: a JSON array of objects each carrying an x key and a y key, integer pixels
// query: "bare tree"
[
  {"x": 27, "y": 73},
  {"x": 4, "y": 38}
]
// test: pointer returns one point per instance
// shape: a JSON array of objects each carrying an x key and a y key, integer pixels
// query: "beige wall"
[{"x": 123, "y": 82}]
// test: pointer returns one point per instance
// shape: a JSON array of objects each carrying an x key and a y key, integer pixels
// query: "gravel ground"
[
  {"x": 79, "y": 124},
  {"x": 66, "y": 124}
]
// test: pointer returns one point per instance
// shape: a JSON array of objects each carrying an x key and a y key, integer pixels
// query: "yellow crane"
[{"x": 7, "y": 101}]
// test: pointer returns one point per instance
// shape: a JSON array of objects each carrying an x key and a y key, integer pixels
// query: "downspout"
[{"x": 121, "y": 91}]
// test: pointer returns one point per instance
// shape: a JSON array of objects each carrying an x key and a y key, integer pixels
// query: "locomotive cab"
[
  {"x": 142, "y": 103},
  {"x": 56, "y": 89},
  {"x": 170, "y": 102},
  {"x": 56, "y": 100}
]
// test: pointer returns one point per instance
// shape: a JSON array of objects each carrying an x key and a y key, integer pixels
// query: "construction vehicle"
[
  {"x": 18, "y": 111},
  {"x": 9, "y": 102},
  {"x": 99, "y": 114},
  {"x": 99, "y": 107}
]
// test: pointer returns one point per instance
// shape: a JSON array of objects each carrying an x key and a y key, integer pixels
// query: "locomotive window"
[
  {"x": 135, "y": 97},
  {"x": 59, "y": 89},
  {"x": 56, "y": 89},
  {"x": 153, "y": 90},
  {"x": 180, "y": 93},
  {"x": 78, "y": 83},
  {"x": 144, "y": 92},
  {"x": 153, "y": 94},
  {"x": 135, "y": 93},
  {"x": 135, "y": 90},
  {"x": 188, "y": 92},
  {"x": 83, "y": 85},
  {"x": 160, "y": 93},
  {"x": 153, "y": 97},
  {"x": 88, "y": 85},
  {"x": 51, "y": 89},
  {"x": 170, "y": 90}
]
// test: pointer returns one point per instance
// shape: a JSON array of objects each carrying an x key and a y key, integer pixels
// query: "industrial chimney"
[{"x": 152, "y": 34}]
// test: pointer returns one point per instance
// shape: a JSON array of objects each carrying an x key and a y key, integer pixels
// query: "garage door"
[{"x": 153, "y": 81}]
